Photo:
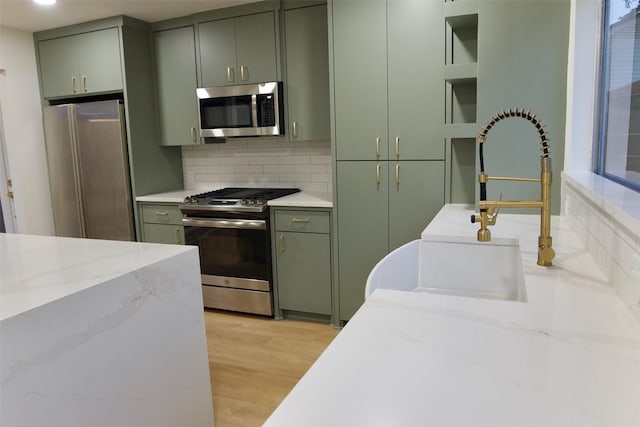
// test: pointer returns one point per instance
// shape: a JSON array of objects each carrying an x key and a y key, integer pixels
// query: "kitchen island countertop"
[
  {"x": 568, "y": 356},
  {"x": 101, "y": 333}
]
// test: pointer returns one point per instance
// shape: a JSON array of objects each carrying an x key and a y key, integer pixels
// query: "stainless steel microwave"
[{"x": 241, "y": 110}]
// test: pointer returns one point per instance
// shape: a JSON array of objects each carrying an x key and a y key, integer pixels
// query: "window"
[{"x": 619, "y": 133}]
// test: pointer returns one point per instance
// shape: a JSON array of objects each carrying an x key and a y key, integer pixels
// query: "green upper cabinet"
[
  {"x": 87, "y": 63},
  {"x": 360, "y": 79},
  {"x": 307, "y": 66},
  {"x": 175, "y": 66},
  {"x": 415, "y": 38},
  {"x": 238, "y": 50},
  {"x": 389, "y": 95}
]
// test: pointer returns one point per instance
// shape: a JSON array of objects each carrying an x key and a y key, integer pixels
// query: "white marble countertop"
[
  {"x": 304, "y": 199},
  {"x": 308, "y": 199},
  {"x": 168, "y": 197},
  {"x": 36, "y": 270},
  {"x": 569, "y": 356}
]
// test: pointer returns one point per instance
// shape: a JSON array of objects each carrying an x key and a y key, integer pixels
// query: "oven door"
[{"x": 235, "y": 262}]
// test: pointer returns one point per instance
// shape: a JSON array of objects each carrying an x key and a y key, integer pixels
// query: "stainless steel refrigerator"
[{"x": 89, "y": 171}]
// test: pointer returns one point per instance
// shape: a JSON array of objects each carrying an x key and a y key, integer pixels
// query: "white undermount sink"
[
  {"x": 463, "y": 266},
  {"x": 453, "y": 265}
]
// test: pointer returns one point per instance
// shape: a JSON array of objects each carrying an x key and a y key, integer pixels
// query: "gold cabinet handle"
[
  {"x": 244, "y": 74},
  {"x": 295, "y": 129},
  {"x": 193, "y": 134},
  {"x": 178, "y": 239},
  {"x": 378, "y": 173},
  {"x": 397, "y": 173},
  {"x": 162, "y": 213},
  {"x": 397, "y": 146},
  {"x": 84, "y": 83},
  {"x": 282, "y": 243},
  {"x": 230, "y": 75},
  {"x": 10, "y": 194},
  {"x": 378, "y": 147},
  {"x": 300, "y": 220},
  {"x": 73, "y": 84}
]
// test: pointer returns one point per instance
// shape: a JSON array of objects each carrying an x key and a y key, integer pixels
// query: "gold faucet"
[{"x": 489, "y": 208}]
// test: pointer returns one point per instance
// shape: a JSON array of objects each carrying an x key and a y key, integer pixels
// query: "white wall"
[{"x": 24, "y": 136}]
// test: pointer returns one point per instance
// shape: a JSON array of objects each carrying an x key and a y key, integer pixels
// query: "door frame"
[{"x": 7, "y": 209}]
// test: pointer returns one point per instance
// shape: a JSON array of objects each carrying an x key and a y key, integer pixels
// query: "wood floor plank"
[{"x": 255, "y": 362}]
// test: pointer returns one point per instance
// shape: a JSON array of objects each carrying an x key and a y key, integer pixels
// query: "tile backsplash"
[
  {"x": 606, "y": 219},
  {"x": 258, "y": 162}
]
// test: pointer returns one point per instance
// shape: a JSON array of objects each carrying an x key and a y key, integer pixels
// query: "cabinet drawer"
[
  {"x": 161, "y": 233},
  {"x": 303, "y": 221},
  {"x": 161, "y": 214}
]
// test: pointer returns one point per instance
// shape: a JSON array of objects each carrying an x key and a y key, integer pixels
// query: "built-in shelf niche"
[
  {"x": 462, "y": 39},
  {"x": 463, "y": 102},
  {"x": 463, "y": 170}
]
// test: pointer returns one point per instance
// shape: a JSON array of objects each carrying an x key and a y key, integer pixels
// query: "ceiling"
[{"x": 27, "y": 16}]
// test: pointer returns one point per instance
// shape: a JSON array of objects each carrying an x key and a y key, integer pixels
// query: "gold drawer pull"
[
  {"x": 162, "y": 213},
  {"x": 193, "y": 134},
  {"x": 230, "y": 75},
  {"x": 178, "y": 239},
  {"x": 378, "y": 147},
  {"x": 300, "y": 220},
  {"x": 84, "y": 83},
  {"x": 397, "y": 146},
  {"x": 282, "y": 243},
  {"x": 378, "y": 179},
  {"x": 397, "y": 173},
  {"x": 73, "y": 84}
]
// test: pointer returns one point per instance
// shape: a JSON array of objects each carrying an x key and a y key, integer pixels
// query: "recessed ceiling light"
[{"x": 45, "y": 2}]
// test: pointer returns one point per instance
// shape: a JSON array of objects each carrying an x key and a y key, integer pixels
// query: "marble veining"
[
  {"x": 567, "y": 356},
  {"x": 102, "y": 334}
]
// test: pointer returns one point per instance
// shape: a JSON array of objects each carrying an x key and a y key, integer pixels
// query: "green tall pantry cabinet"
[{"x": 388, "y": 124}]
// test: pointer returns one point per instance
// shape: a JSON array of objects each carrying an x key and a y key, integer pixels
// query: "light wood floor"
[{"x": 255, "y": 362}]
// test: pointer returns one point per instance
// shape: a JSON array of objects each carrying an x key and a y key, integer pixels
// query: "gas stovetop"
[{"x": 235, "y": 199}]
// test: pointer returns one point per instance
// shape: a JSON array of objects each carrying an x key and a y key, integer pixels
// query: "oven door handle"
[{"x": 242, "y": 224}]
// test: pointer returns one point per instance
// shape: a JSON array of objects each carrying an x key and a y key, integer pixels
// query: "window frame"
[{"x": 602, "y": 103}]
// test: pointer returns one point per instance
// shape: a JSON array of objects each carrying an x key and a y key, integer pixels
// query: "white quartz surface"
[
  {"x": 35, "y": 270},
  {"x": 168, "y": 197},
  {"x": 101, "y": 333},
  {"x": 569, "y": 356},
  {"x": 304, "y": 199}
]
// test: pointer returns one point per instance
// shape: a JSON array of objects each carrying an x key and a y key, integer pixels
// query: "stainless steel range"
[{"x": 231, "y": 228}]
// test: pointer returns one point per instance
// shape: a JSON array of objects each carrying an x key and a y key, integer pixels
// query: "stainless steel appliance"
[
  {"x": 231, "y": 229},
  {"x": 241, "y": 110},
  {"x": 88, "y": 170}
]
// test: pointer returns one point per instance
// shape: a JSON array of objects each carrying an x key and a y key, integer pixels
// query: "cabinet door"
[
  {"x": 363, "y": 218},
  {"x": 99, "y": 61},
  {"x": 218, "y": 52},
  {"x": 163, "y": 233},
  {"x": 416, "y": 194},
  {"x": 176, "y": 78},
  {"x": 416, "y": 92},
  {"x": 360, "y": 78},
  {"x": 58, "y": 67},
  {"x": 304, "y": 272},
  {"x": 256, "y": 48},
  {"x": 307, "y": 73}
]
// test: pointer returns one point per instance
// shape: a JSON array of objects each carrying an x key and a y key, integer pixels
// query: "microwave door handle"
[
  {"x": 254, "y": 111},
  {"x": 240, "y": 224}
]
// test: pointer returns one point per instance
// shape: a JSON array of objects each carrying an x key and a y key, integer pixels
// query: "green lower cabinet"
[
  {"x": 162, "y": 233},
  {"x": 303, "y": 265},
  {"x": 302, "y": 262},
  {"x": 380, "y": 206},
  {"x": 161, "y": 223}
]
